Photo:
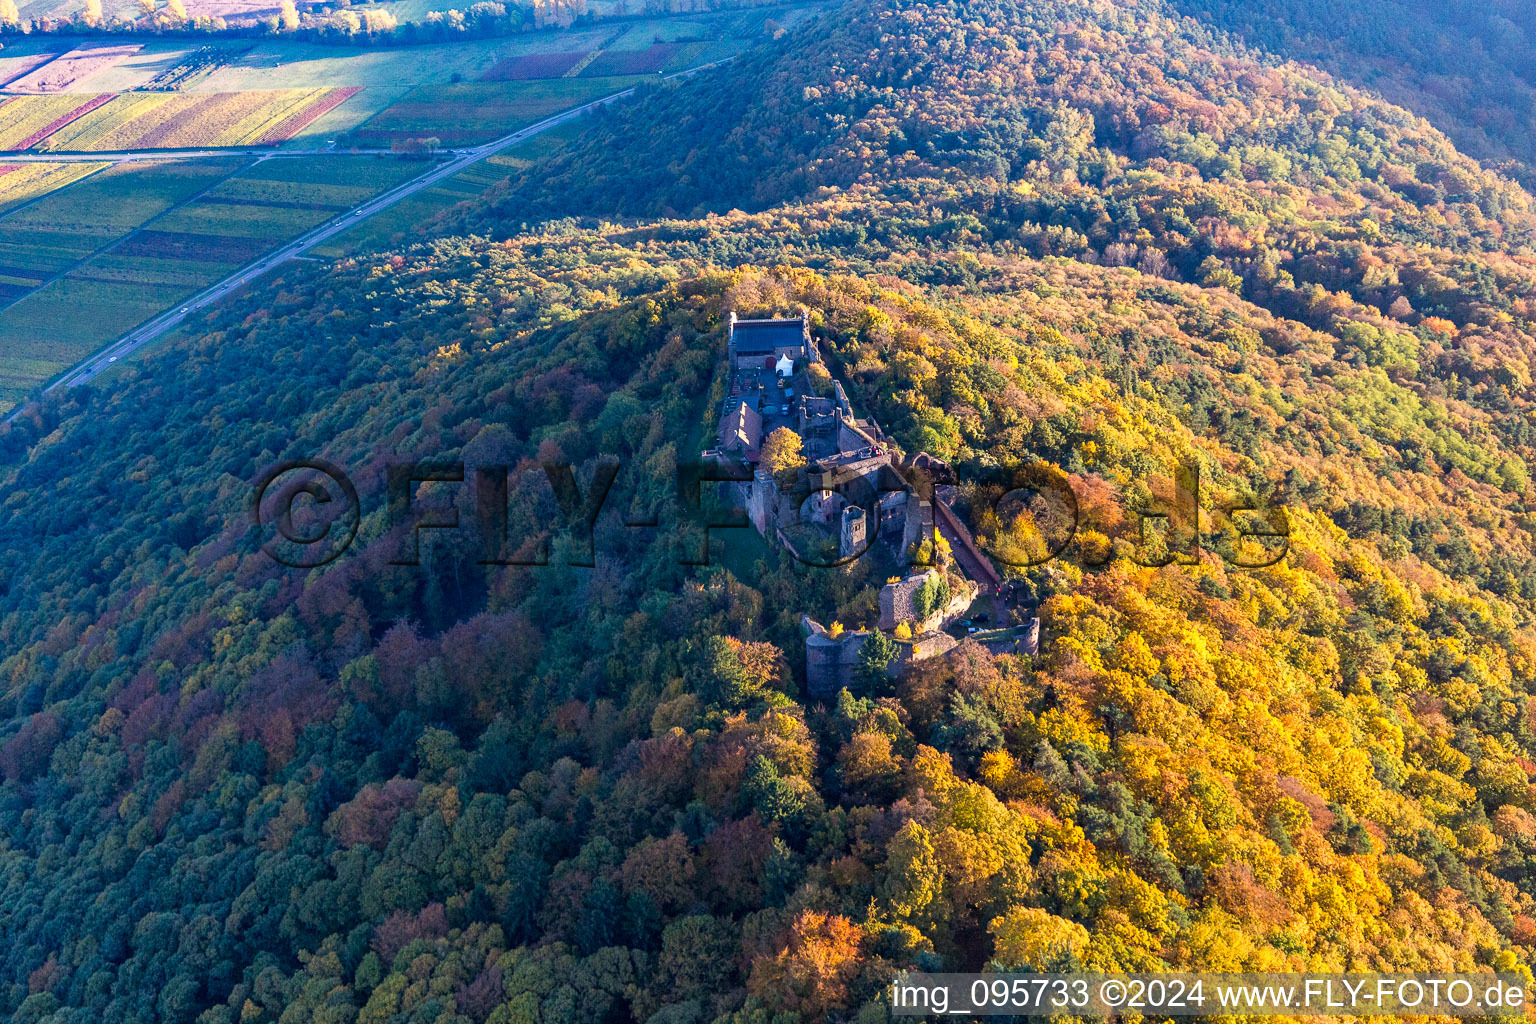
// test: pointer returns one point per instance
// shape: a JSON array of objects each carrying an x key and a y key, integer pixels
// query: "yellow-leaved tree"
[
  {"x": 913, "y": 880},
  {"x": 781, "y": 452},
  {"x": 1028, "y": 938}
]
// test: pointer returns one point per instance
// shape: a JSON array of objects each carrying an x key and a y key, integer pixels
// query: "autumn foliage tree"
[{"x": 781, "y": 452}]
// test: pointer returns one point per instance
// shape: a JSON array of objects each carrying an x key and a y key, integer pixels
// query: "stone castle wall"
[
  {"x": 829, "y": 663},
  {"x": 897, "y": 600},
  {"x": 929, "y": 645},
  {"x": 898, "y": 603}
]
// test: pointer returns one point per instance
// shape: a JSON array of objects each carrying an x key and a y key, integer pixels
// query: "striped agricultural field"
[
  {"x": 162, "y": 120},
  {"x": 86, "y": 263},
  {"x": 27, "y": 120},
  {"x": 296, "y": 122}
]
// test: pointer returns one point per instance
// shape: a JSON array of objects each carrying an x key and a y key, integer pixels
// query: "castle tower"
[
  {"x": 822, "y": 655},
  {"x": 917, "y": 522},
  {"x": 851, "y": 538}
]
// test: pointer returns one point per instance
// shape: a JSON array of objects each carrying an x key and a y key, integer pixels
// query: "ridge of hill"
[
  {"x": 1466, "y": 66},
  {"x": 1092, "y": 131}
]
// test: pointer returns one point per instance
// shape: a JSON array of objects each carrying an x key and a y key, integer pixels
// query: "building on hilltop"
[
  {"x": 762, "y": 344},
  {"x": 768, "y": 387},
  {"x": 741, "y": 432},
  {"x": 766, "y": 381},
  {"x": 853, "y": 493}
]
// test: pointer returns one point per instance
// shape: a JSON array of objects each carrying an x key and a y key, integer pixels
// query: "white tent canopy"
[{"x": 785, "y": 366}]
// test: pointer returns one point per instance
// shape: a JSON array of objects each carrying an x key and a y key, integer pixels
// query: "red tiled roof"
[{"x": 741, "y": 429}]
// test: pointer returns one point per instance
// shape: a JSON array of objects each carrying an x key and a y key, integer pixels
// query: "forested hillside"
[
  {"x": 1465, "y": 65},
  {"x": 1081, "y": 232}
]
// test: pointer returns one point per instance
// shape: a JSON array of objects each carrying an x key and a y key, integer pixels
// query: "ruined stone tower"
[{"x": 852, "y": 537}]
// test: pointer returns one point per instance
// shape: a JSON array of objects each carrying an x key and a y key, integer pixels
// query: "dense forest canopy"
[
  {"x": 1099, "y": 235},
  {"x": 1465, "y": 65}
]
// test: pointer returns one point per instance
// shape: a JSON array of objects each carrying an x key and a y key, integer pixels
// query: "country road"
[{"x": 154, "y": 328}]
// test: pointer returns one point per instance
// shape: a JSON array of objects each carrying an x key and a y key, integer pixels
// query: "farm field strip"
[
  {"x": 215, "y": 252},
  {"x": 632, "y": 62},
  {"x": 76, "y": 122},
  {"x": 33, "y": 346},
  {"x": 288, "y": 193},
  {"x": 249, "y": 212},
  {"x": 123, "y": 265},
  {"x": 113, "y": 278},
  {"x": 127, "y": 345},
  {"x": 121, "y": 285},
  {"x": 531, "y": 66},
  {"x": 205, "y": 225},
  {"x": 303, "y": 117},
  {"x": 27, "y": 120},
  {"x": 217, "y": 119},
  {"x": 44, "y": 235},
  {"x": 71, "y": 68},
  {"x": 339, "y": 169},
  {"x": 25, "y": 183},
  {"x": 394, "y": 225},
  {"x": 66, "y": 226},
  {"x": 693, "y": 54},
  {"x": 256, "y": 222},
  {"x": 466, "y": 113}
]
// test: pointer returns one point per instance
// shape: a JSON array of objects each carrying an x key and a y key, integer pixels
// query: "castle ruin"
[{"x": 854, "y": 493}]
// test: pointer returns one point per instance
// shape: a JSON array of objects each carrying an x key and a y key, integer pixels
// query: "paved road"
[{"x": 153, "y": 329}]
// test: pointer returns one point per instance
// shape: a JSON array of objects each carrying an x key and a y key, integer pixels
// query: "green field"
[
  {"x": 401, "y": 223},
  {"x": 66, "y": 226},
  {"x": 84, "y": 265},
  {"x": 131, "y": 269},
  {"x": 223, "y": 219},
  {"x": 29, "y": 183},
  {"x": 63, "y": 323},
  {"x": 156, "y": 234},
  {"x": 465, "y": 113},
  {"x": 282, "y": 198}
]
